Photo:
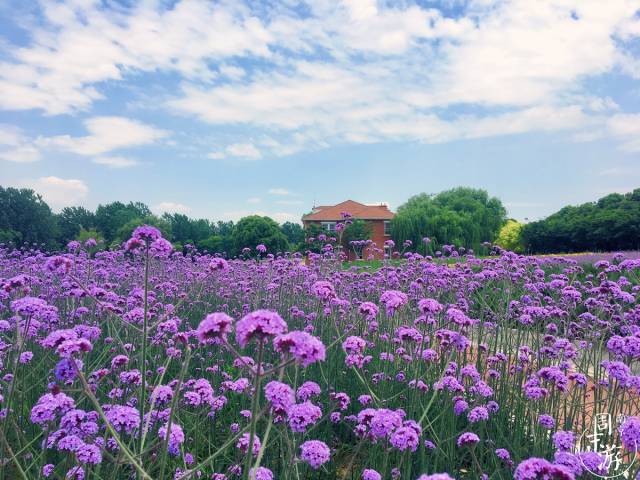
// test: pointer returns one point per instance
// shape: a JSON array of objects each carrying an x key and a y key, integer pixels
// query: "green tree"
[
  {"x": 71, "y": 220},
  {"x": 358, "y": 230},
  {"x": 112, "y": 216},
  {"x": 461, "y": 216},
  {"x": 26, "y": 218},
  {"x": 124, "y": 232},
  {"x": 312, "y": 231},
  {"x": 293, "y": 232},
  {"x": 510, "y": 236},
  {"x": 214, "y": 244},
  {"x": 611, "y": 223},
  {"x": 255, "y": 230}
]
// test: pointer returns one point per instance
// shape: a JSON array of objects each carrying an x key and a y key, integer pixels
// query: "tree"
[
  {"x": 124, "y": 232},
  {"x": 112, "y": 216},
  {"x": 255, "y": 230},
  {"x": 358, "y": 229},
  {"x": 293, "y": 232},
  {"x": 26, "y": 218},
  {"x": 71, "y": 220},
  {"x": 510, "y": 236},
  {"x": 461, "y": 216},
  {"x": 611, "y": 223},
  {"x": 311, "y": 242}
]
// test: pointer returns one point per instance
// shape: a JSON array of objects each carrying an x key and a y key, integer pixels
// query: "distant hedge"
[{"x": 611, "y": 223}]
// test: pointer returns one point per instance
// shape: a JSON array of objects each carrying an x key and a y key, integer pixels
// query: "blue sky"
[{"x": 222, "y": 109}]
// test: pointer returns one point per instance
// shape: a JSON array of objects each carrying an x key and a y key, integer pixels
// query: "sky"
[{"x": 221, "y": 109}]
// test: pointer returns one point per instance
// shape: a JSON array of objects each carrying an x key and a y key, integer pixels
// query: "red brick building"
[{"x": 378, "y": 216}]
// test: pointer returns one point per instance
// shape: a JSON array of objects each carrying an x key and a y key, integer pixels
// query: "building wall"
[{"x": 378, "y": 237}]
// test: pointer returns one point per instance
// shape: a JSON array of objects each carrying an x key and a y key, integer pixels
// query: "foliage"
[
  {"x": 461, "y": 216},
  {"x": 293, "y": 232},
  {"x": 26, "y": 218},
  {"x": 85, "y": 235},
  {"x": 510, "y": 236},
  {"x": 71, "y": 220},
  {"x": 255, "y": 230},
  {"x": 113, "y": 216},
  {"x": 611, "y": 223},
  {"x": 124, "y": 232},
  {"x": 215, "y": 244},
  {"x": 312, "y": 243},
  {"x": 187, "y": 230},
  {"x": 358, "y": 230}
]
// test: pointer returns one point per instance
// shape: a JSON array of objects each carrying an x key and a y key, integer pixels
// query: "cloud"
[
  {"x": 279, "y": 217},
  {"x": 254, "y": 200},
  {"x": 304, "y": 77},
  {"x": 21, "y": 154},
  {"x": 116, "y": 162},
  {"x": 59, "y": 192},
  {"x": 279, "y": 191},
  {"x": 171, "y": 207},
  {"x": 216, "y": 155},
  {"x": 105, "y": 134},
  {"x": 626, "y": 128},
  {"x": 79, "y": 45},
  {"x": 15, "y": 147},
  {"x": 244, "y": 150}
]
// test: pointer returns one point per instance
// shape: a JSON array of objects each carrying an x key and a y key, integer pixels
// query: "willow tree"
[{"x": 461, "y": 216}]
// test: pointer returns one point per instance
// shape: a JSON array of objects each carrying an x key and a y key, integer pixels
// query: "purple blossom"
[
  {"x": 260, "y": 324},
  {"x": 302, "y": 415},
  {"x": 214, "y": 328},
  {"x": 467, "y": 438},
  {"x": 315, "y": 453},
  {"x": 305, "y": 348}
]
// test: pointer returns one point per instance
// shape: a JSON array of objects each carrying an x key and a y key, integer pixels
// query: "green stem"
[
  {"x": 254, "y": 412},
  {"x": 143, "y": 354}
]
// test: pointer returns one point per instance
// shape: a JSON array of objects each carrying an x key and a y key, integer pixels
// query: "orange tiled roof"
[{"x": 356, "y": 209}]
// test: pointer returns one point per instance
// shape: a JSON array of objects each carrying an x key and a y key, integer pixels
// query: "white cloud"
[
  {"x": 84, "y": 44},
  {"x": 10, "y": 135},
  {"x": 21, "y": 154},
  {"x": 356, "y": 71},
  {"x": 279, "y": 191},
  {"x": 171, "y": 207},
  {"x": 244, "y": 150},
  {"x": 59, "y": 192},
  {"x": 282, "y": 217},
  {"x": 115, "y": 162},
  {"x": 626, "y": 128},
  {"x": 279, "y": 217},
  {"x": 105, "y": 134},
  {"x": 15, "y": 147},
  {"x": 254, "y": 200}
]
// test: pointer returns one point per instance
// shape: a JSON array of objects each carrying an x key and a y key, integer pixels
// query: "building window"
[
  {"x": 329, "y": 226},
  {"x": 387, "y": 228}
]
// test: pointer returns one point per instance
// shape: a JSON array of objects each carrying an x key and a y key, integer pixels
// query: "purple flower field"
[{"x": 147, "y": 363}]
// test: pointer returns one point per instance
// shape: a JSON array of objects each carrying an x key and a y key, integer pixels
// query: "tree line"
[
  {"x": 609, "y": 224},
  {"x": 26, "y": 219},
  {"x": 425, "y": 223}
]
